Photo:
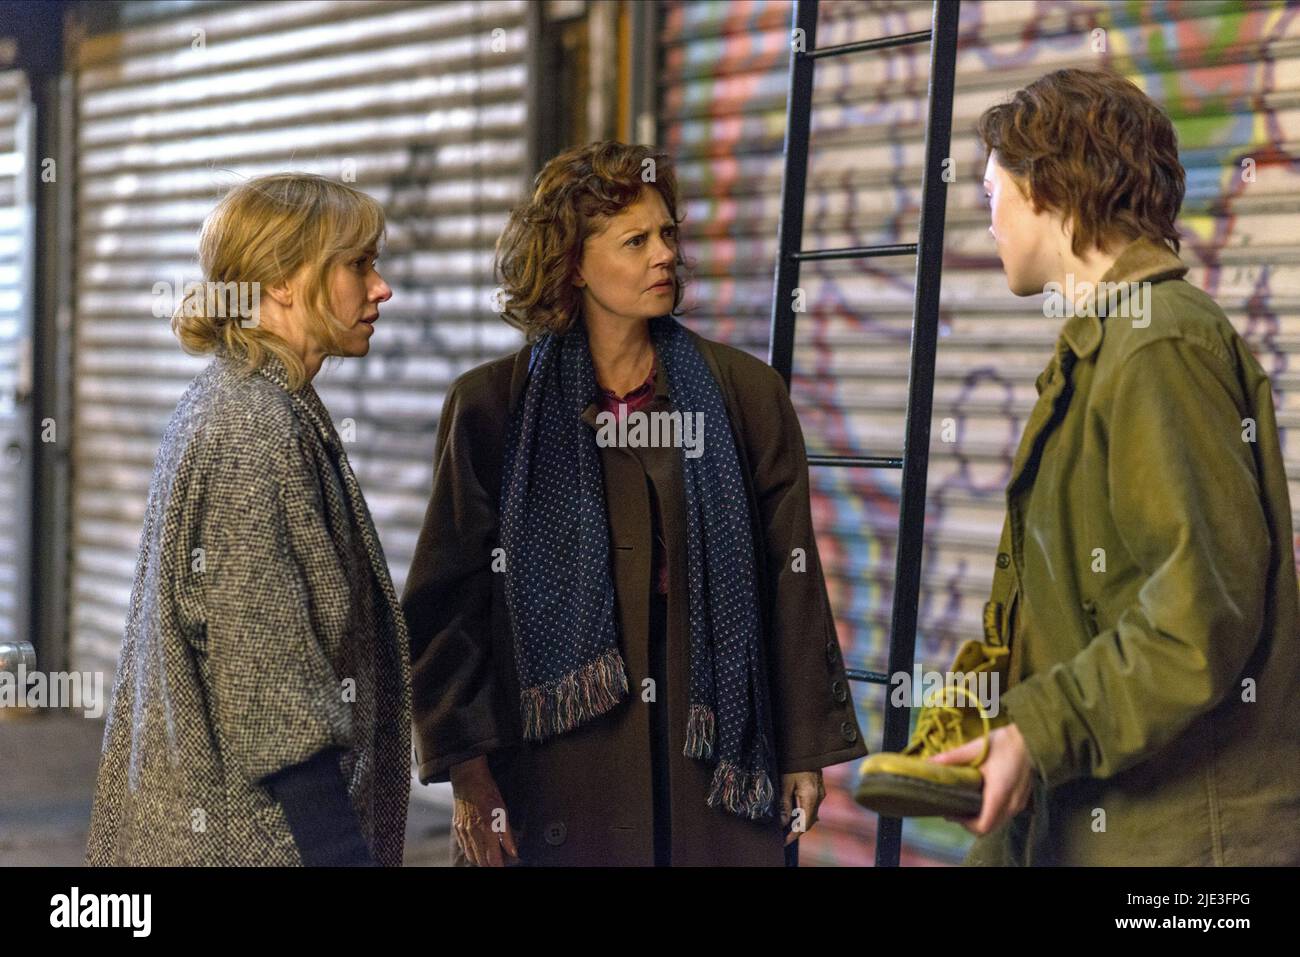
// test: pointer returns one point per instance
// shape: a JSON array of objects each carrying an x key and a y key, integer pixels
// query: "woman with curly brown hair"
[{"x": 622, "y": 647}]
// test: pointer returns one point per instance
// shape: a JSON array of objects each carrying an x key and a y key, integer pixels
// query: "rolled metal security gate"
[{"x": 420, "y": 105}]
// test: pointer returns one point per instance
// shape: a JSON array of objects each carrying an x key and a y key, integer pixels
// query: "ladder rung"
[
  {"x": 880, "y": 43},
  {"x": 857, "y": 461},
  {"x": 855, "y": 252},
  {"x": 872, "y": 677}
]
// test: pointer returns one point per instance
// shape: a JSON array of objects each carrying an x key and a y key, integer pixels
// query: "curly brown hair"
[
  {"x": 540, "y": 249},
  {"x": 1092, "y": 146}
]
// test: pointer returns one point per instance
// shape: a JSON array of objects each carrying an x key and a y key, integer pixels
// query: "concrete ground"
[{"x": 48, "y": 762}]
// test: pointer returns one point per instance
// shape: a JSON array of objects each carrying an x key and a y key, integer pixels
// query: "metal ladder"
[{"x": 915, "y": 458}]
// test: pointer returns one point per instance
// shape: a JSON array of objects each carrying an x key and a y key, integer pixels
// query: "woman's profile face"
[
  {"x": 356, "y": 290},
  {"x": 1022, "y": 233},
  {"x": 627, "y": 268}
]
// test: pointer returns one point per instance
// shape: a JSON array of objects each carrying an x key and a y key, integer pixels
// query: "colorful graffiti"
[{"x": 1222, "y": 70}]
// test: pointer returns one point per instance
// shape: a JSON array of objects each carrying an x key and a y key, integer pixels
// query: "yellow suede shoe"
[{"x": 904, "y": 783}]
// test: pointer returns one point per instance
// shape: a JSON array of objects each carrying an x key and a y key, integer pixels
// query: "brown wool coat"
[{"x": 585, "y": 797}]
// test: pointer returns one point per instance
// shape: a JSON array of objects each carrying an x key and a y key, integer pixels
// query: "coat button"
[
  {"x": 555, "y": 832},
  {"x": 849, "y": 732},
  {"x": 1004, "y": 560},
  {"x": 832, "y": 651},
  {"x": 838, "y": 692}
]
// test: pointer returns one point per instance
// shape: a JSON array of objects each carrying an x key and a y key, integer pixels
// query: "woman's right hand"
[{"x": 478, "y": 805}]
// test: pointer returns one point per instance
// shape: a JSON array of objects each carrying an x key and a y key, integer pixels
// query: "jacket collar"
[
  {"x": 304, "y": 398},
  {"x": 1140, "y": 261},
  {"x": 519, "y": 376},
  {"x": 1143, "y": 260}
]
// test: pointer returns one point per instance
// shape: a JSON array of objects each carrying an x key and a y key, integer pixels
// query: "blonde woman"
[{"x": 261, "y": 712}]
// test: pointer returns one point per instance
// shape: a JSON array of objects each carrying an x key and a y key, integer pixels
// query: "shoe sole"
[{"x": 897, "y": 795}]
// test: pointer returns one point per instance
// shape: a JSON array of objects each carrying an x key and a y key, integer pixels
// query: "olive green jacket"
[{"x": 1146, "y": 582}]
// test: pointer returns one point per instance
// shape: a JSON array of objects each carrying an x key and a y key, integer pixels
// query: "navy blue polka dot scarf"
[{"x": 559, "y": 587}]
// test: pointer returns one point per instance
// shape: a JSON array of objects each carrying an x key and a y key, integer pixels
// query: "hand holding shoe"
[{"x": 1008, "y": 777}]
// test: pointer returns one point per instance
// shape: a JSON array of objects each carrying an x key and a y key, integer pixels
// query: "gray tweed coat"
[{"x": 263, "y": 627}]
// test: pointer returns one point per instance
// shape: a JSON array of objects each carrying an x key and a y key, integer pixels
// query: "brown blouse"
[{"x": 620, "y": 405}]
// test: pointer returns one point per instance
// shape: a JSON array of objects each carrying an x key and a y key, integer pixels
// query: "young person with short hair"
[{"x": 1146, "y": 577}]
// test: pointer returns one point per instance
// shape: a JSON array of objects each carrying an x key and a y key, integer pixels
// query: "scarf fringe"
[
  {"x": 575, "y": 699},
  {"x": 699, "y": 732},
  {"x": 746, "y": 793}
]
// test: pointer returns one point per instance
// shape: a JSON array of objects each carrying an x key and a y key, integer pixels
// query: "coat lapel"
[{"x": 309, "y": 405}]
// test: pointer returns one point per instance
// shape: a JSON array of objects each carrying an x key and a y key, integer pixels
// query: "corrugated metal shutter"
[
  {"x": 424, "y": 104},
  {"x": 14, "y": 268},
  {"x": 1227, "y": 72}
]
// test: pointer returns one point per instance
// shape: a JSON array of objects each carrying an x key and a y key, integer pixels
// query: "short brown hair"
[
  {"x": 540, "y": 249},
  {"x": 1092, "y": 146}
]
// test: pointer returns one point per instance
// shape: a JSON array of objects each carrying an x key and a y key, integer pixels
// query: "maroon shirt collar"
[{"x": 641, "y": 396}]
